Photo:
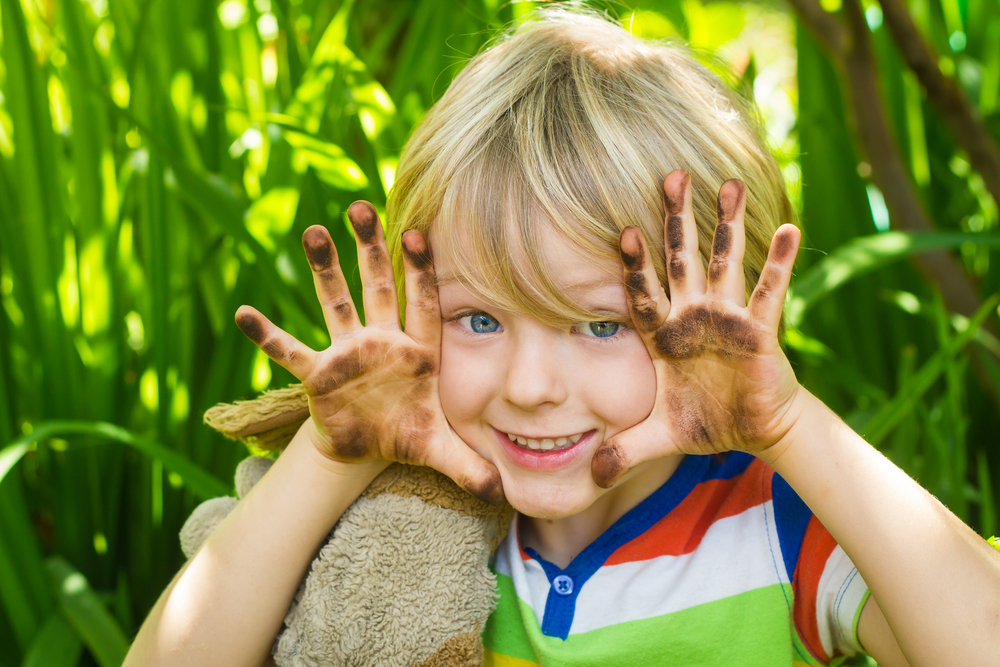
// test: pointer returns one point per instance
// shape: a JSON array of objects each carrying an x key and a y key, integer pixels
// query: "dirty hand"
[
  {"x": 722, "y": 381},
  {"x": 374, "y": 392}
]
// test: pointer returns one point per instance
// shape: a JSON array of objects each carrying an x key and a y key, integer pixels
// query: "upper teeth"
[{"x": 544, "y": 443}]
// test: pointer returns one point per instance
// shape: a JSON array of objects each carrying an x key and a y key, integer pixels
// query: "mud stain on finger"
[
  {"x": 630, "y": 246},
  {"x": 345, "y": 312},
  {"x": 608, "y": 464},
  {"x": 377, "y": 260},
  {"x": 251, "y": 327},
  {"x": 319, "y": 248},
  {"x": 427, "y": 287},
  {"x": 723, "y": 241},
  {"x": 416, "y": 251},
  {"x": 731, "y": 196},
  {"x": 274, "y": 349},
  {"x": 783, "y": 245},
  {"x": 488, "y": 487},
  {"x": 675, "y": 233},
  {"x": 364, "y": 220},
  {"x": 675, "y": 194}
]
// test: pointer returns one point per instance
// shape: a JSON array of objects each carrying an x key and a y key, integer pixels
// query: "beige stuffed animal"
[{"x": 403, "y": 577}]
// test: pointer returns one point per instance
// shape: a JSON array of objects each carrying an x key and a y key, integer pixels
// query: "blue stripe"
[{"x": 791, "y": 516}]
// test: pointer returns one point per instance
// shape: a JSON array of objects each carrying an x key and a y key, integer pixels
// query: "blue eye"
[
  {"x": 480, "y": 323},
  {"x": 598, "y": 329}
]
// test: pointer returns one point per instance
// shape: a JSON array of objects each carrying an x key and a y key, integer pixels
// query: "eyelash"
[{"x": 608, "y": 340}]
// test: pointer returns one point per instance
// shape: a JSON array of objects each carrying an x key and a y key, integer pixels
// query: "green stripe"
[
  {"x": 504, "y": 632},
  {"x": 752, "y": 628}
]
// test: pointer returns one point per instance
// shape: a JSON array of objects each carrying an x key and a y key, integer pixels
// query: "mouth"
[
  {"x": 546, "y": 453},
  {"x": 551, "y": 444}
]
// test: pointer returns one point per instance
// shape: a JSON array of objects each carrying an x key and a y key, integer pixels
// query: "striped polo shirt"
[{"x": 722, "y": 565}]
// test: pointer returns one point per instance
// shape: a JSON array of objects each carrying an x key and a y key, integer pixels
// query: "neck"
[{"x": 559, "y": 541}]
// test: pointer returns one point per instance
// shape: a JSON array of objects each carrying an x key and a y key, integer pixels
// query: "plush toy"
[{"x": 403, "y": 577}]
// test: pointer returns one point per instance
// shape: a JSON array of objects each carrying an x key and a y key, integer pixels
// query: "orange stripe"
[
  {"x": 681, "y": 531},
  {"x": 817, "y": 545}
]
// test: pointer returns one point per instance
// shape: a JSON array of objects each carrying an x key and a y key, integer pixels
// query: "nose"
[{"x": 536, "y": 375}]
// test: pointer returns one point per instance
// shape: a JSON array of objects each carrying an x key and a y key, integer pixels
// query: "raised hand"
[
  {"x": 722, "y": 381},
  {"x": 374, "y": 392}
]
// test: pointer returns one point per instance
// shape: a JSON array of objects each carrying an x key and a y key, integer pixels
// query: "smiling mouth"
[{"x": 545, "y": 444}]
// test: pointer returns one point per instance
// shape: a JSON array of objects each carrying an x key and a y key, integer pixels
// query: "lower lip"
[{"x": 540, "y": 459}]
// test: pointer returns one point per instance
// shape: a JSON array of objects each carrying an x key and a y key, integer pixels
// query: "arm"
[
  {"x": 226, "y": 605},
  {"x": 723, "y": 383},
  {"x": 936, "y": 582},
  {"x": 373, "y": 399}
]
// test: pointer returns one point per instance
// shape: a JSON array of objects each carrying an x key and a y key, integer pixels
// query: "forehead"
[{"x": 568, "y": 266}]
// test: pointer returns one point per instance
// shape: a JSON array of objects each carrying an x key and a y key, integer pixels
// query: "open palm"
[
  {"x": 723, "y": 382},
  {"x": 374, "y": 392}
]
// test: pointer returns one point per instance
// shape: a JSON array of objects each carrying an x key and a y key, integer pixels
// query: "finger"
[
  {"x": 423, "y": 312},
  {"x": 647, "y": 302},
  {"x": 279, "y": 346},
  {"x": 622, "y": 452},
  {"x": 769, "y": 295},
  {"x": 331, "y": 286},
  {"x": 381, "y": 307},
  {"x": 684, "y": 273},
  {"x": 468, "y": 469},
  {"x": 725, "y": 269}
]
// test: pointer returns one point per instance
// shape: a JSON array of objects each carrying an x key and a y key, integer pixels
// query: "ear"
[{"x": 267, "y": 422}]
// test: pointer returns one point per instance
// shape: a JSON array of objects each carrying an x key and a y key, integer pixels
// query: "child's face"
[{"x": 508, "y": 373}]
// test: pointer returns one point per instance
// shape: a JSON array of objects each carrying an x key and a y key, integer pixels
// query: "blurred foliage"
[{"x": 159, "y": 162}]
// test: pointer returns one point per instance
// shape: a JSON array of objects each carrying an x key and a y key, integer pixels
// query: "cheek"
[
  {"x": 621, "y": 387},
  {"x": 466, "y": 383}
]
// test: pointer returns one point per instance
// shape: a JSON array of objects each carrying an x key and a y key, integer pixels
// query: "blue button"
[{"x": 563, "y": 585}]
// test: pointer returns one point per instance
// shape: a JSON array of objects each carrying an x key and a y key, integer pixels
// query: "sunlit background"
[{"x": 161, "y": 159}]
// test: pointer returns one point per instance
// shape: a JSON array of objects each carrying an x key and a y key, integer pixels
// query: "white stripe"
[
  {"x": 529, "y": 578},
  {"x": 838, "y": 595},
  {"x": 736, "y": 555}
]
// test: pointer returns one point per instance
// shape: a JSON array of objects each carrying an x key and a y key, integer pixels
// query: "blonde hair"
[{"x": 572, "y": 121}]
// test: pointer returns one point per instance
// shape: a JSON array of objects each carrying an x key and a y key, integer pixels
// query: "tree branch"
[
  {"x": 823, "y": 25},
  {"x": 962, "y": 119}
]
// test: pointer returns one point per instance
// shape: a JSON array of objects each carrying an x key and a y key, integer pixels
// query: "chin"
[{"x": 548, "y": 501}]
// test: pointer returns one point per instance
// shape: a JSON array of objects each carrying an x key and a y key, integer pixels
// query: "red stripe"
[
  {"x": 681, "y": 531},
  {"x": 817, "y": 545}
]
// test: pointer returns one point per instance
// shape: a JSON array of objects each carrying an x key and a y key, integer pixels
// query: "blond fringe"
[{"x": 267, "y": 422}]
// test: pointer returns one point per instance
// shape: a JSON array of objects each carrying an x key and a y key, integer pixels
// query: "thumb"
[
  {"x": 452, "y": 457},
  {"x": 616, "y": 456}
]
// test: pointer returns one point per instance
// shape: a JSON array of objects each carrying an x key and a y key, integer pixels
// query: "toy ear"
[{"x": 267, "y": 422}]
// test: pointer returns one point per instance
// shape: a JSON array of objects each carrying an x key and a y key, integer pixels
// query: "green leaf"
[
  {"x": 88, "y": 616},
  {"x": 910, "y": 393},
  {"x": 863, "y": 255},
  {"x": 56, "y": 645},
  {"x": 328, "y": 160},
  {"x": 201, "y": 483}
]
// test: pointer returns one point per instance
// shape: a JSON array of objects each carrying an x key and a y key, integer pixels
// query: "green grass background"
[{"x": 160, "y": 159}]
